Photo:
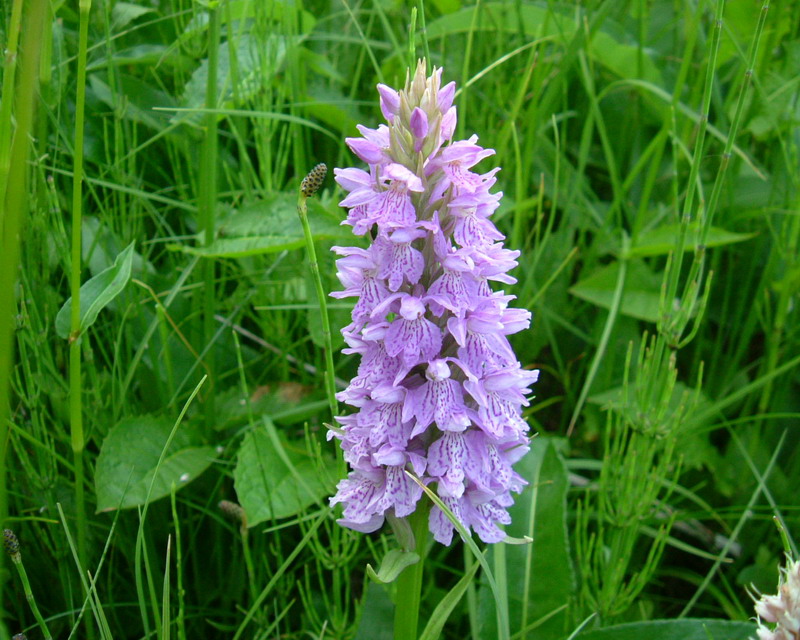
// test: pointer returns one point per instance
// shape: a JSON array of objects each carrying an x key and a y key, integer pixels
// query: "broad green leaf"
[
  {"x": 268, "y": 226},
  {"x": 97, "y": 292},
  {"x": 641, "y": 296},
  {"x": 392, "y": 565},
  {"x": 539, "y": 575},
  {"x": 662, "y": 240},
  {"x": 689, "y": 629},
  {"x": 128, "y": 458},
  {"x": 268, "y": 488},
  {"x": 125, "y": 12}
]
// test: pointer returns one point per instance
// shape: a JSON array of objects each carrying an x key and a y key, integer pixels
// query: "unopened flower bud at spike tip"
[
  {"x": 10, "y": 542},
  {"x": 313, "y": 181}
]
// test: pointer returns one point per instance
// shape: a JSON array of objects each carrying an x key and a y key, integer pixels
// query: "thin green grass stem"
[
  {"x": 91, "y": 597},
  {"x": 409, "y": 583},
  {"x": 75, "y": 386},
  {"x": 330, "y": 384},
  {"x": 165, "y": 607},
  {"x": 208, "y": 203}
]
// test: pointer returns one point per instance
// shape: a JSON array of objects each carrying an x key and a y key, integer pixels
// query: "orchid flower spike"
[{"x": 439, "y": 391}]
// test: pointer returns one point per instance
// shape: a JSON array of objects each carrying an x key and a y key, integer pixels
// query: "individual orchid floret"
[
  {"x": 438, "y": 396},
  {"x": 390, "y": 102},
  {"x": 400, "y": 260}
]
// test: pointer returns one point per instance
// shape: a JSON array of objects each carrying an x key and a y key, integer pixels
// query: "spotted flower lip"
[{"x": 439, "y": 391}]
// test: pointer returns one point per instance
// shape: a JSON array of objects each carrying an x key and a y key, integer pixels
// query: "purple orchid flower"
[{"x": 439, "y": 392}]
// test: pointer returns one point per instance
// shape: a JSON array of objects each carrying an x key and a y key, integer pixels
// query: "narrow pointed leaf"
[{"x": 97, "y": 293}]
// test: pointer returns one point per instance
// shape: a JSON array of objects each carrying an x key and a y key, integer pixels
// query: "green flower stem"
[
  {"x": 26, "y": 587},
  {"x": 409, "y": 583},
  {"x": 330, "y": 385},
  {"x": 75, "y": 385}
]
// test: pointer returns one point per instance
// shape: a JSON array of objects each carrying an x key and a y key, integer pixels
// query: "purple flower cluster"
[{"x": 439, "y": 390}]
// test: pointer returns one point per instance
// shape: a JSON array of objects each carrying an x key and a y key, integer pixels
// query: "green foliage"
[
  {"x": 651, "y": 187},
  {"x": 97, "y": 293},
  {"x": 127, "y": 472},
  {"x": 539, "y": 575},
  {"x": 675, "y": 630},
  {"x": 640, "y": 296},
  {"x": 274, "y": 480}
]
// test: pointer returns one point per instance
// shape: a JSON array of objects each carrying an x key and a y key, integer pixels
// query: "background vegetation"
[{"x": 650, "y": 155}]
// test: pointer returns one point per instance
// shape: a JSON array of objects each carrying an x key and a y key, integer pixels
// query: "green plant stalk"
[
  {"x": 9, "y": 74},
  {"x": 330, "y": 384},
  {"x": 12, "y": 214},
  {"x": 180, "y": 618},
  {"x": 26, "y": 587},
  {"x": 208, "y": 203},
  {"x": 409, "y": 583},
  {"x": 75, "y": 386}
]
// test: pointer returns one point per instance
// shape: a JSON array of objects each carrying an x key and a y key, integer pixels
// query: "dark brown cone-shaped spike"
[
  {"x": 313, "y": 181},
  {"x": 10, "y": 542}
]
